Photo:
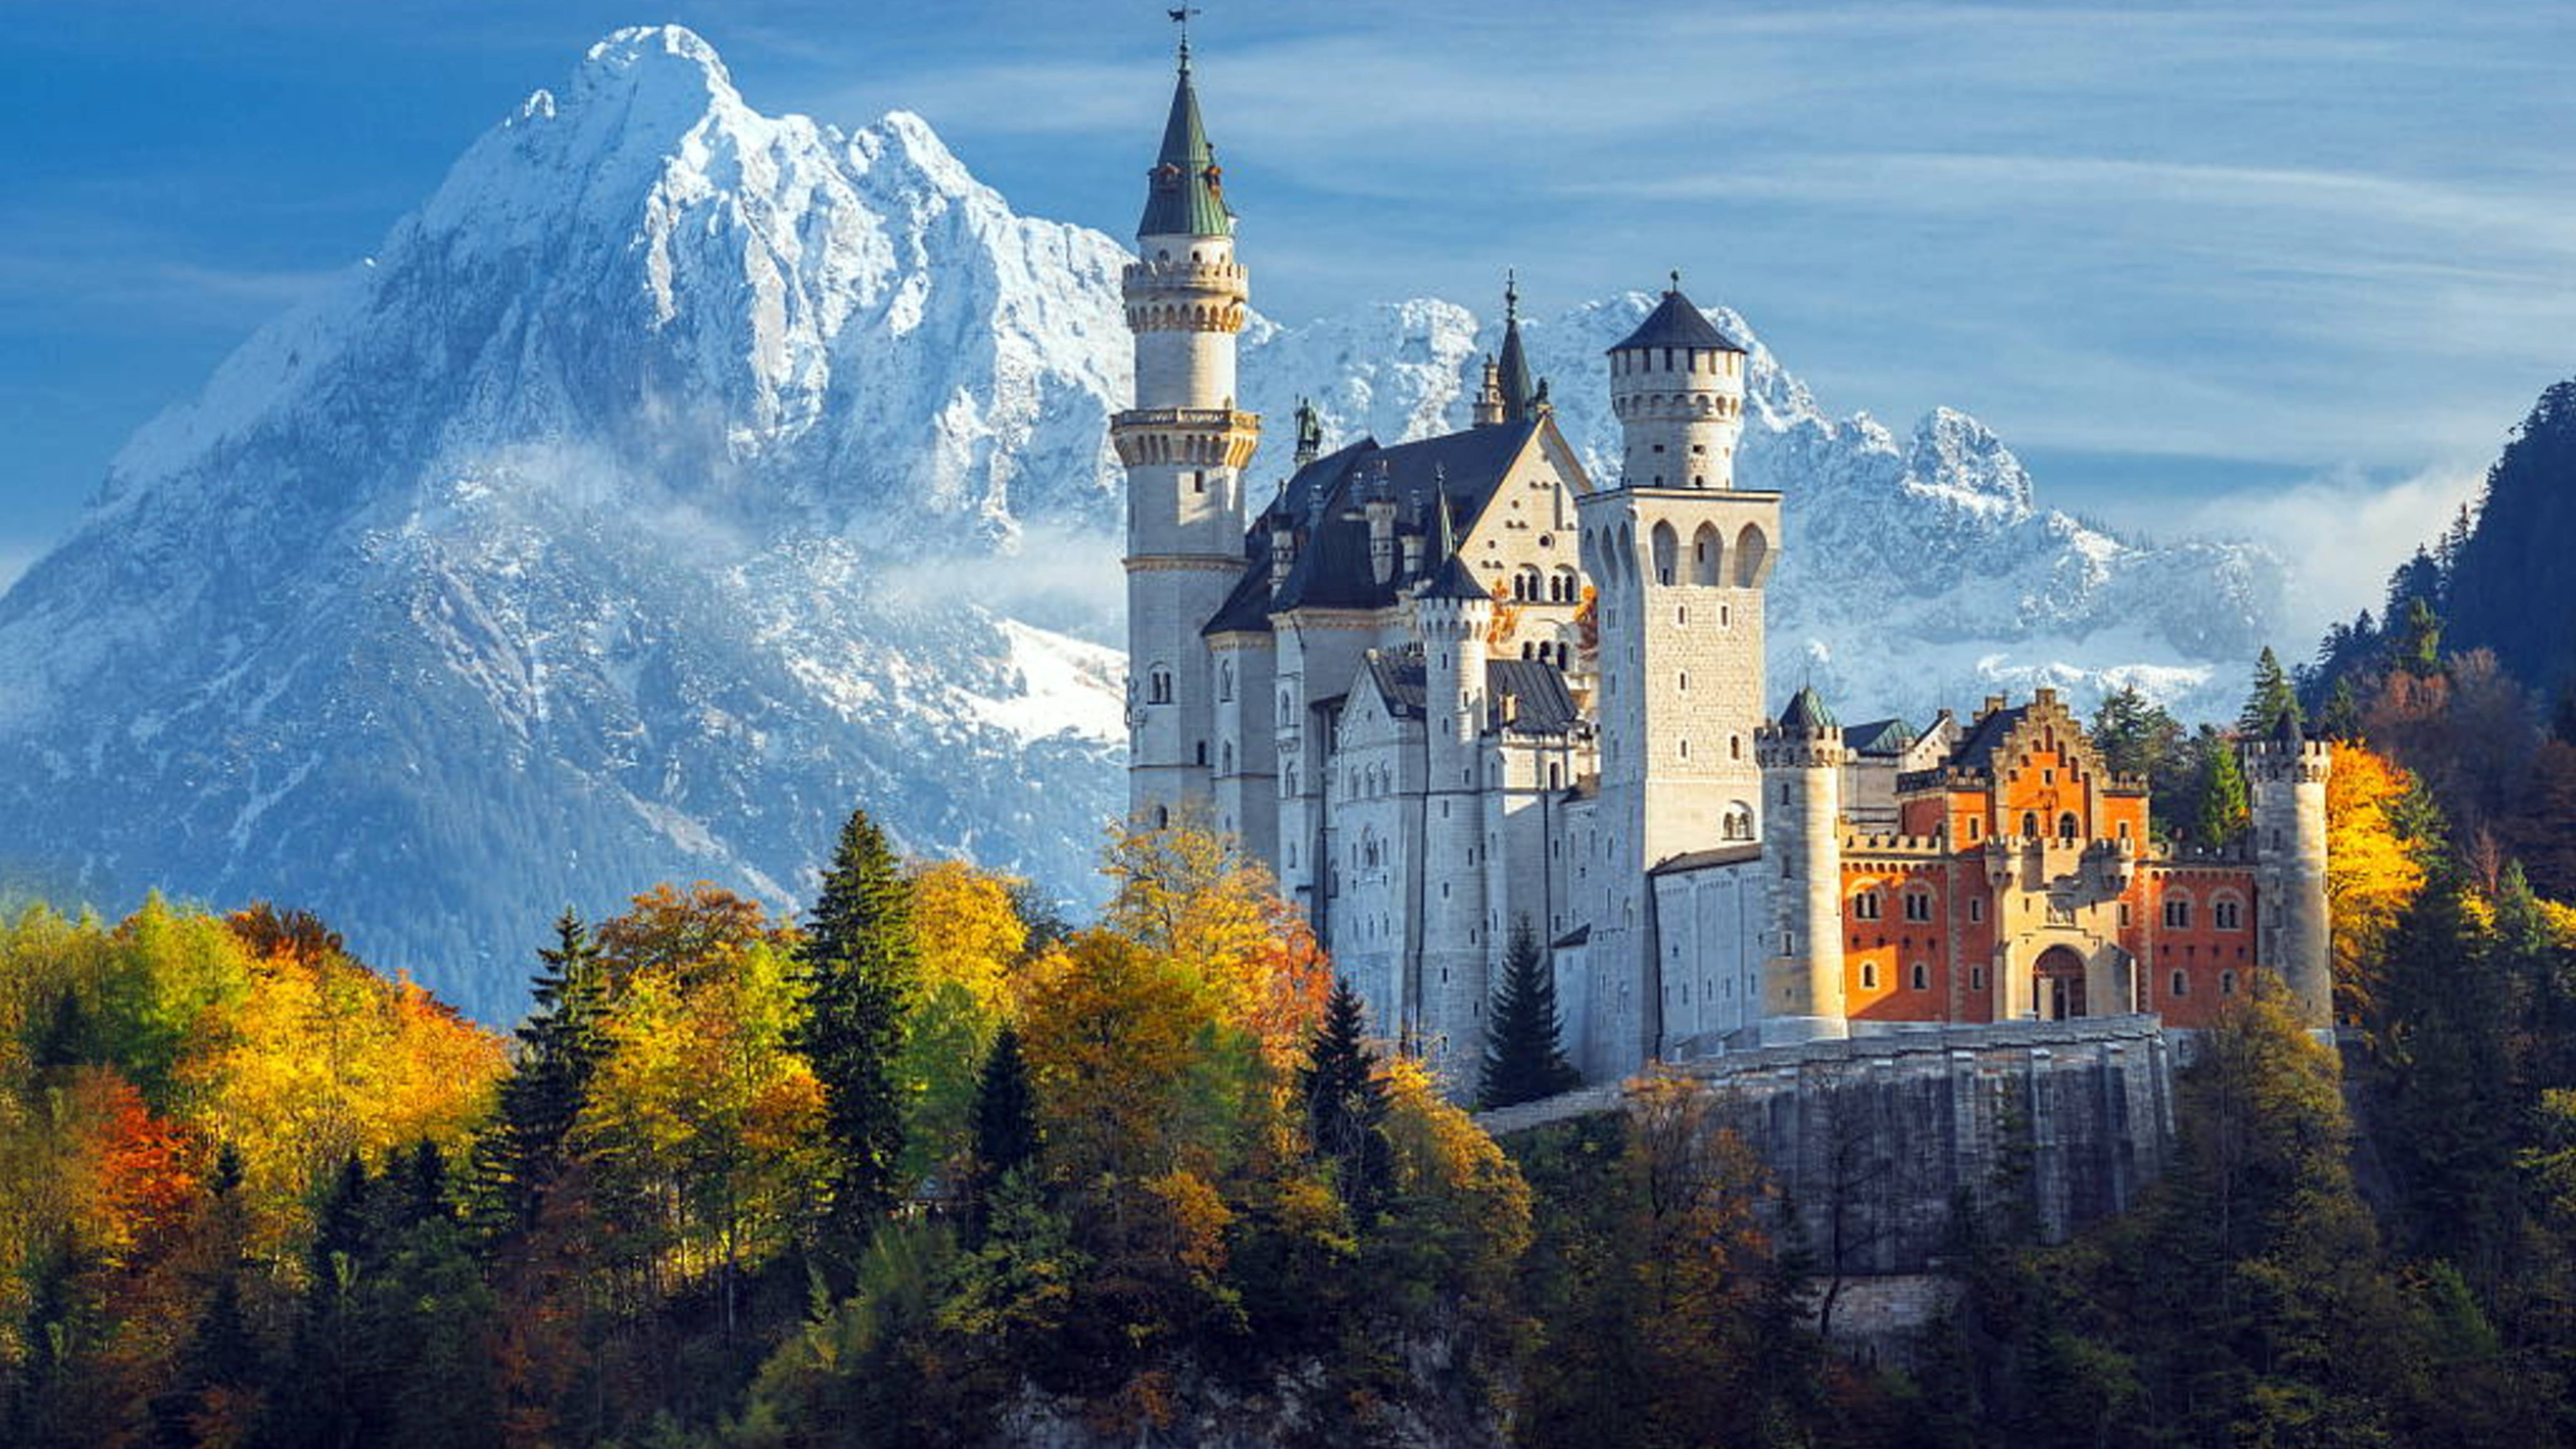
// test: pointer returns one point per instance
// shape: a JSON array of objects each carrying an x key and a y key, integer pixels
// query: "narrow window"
[
  {"x": 1869, "y": 976},
  {"x": 1922, "y": 977},
  {"x": 2181, "y": 984}
]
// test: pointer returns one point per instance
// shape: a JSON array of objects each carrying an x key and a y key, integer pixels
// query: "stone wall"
[{"x": 2056, "y": 1124}]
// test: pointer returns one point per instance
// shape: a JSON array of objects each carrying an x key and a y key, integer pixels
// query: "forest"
[{"x": 928, "y": 1164}]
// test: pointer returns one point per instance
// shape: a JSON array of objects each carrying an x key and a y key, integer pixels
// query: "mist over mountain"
[{"x": 677, "y": 477}]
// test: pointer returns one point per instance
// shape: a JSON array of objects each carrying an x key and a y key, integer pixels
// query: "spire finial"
[
  {"x": 1511, "y": 295},
  {"x": 1677, "y": 281},
  {"x": 1181, "y": 17}
]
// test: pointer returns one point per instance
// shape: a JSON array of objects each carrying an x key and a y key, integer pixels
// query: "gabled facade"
[{"x": 1449, "y": 687}]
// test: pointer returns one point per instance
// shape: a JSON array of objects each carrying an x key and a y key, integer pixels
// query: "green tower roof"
[
  {"x": 1807, "y": 711},
  {"x": 1185, "y": 192}
]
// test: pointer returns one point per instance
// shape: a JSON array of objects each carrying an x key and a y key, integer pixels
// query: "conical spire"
[
  {"x": 1807, "y": 711},
  {"x": 1185, "y": 193},
  {"x": 1519, "y": 391}
]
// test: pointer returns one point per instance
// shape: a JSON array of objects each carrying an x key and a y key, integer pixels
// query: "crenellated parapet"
[
  {"x": 1186, "y": 296},
  {"x": 1185, "y": 437}
]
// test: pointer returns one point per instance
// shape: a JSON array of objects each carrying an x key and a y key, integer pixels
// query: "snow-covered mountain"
[{"x": 678, "y": 477}]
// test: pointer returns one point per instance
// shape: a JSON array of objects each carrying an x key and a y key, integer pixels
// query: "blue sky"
[{"x": 2290, "y": 269}]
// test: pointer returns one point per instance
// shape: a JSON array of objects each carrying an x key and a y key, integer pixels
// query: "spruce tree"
[
  {"x": 2224, "y": 811},
  {"x": 859, "y": 960},
  {"x": 2341, "y": 719},
  {"x": 1006, "y": 1121},
  {"x": 523, "y": 1152},
  {"x": 2272, "y": 698},
  {"x": 1345, "y": 1103},
  {"x": 1523, "y": 1061}
]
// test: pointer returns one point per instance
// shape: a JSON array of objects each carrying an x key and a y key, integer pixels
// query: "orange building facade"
[{"x": 2023, "y": 881}]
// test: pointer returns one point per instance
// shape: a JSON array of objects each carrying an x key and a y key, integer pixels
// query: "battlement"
[
  {"x": 1188, "y": 437},
  {"x": 1915, "y": 845}
]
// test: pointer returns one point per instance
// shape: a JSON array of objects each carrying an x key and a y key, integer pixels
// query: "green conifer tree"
[
  {"x": 2341, "y": 718},
  {"x": 2224, "y": 810},
  {"x": 1346, "y": 1104},
  {"x": 2272, "y": 698},
  {"x": 1006, "y": 1115},
  {"x": 2418, "y": 648},
  {"x": 1523, "y": 1059},
  {"x": 859, "y": 960},
  {"x": 522, "y": 1154}
]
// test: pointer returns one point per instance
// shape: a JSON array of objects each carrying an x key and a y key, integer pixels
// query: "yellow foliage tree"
[
  {"x": 2372, "y": 874},
  {"x": 971, "y": 941}
]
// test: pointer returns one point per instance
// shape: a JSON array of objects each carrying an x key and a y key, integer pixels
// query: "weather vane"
[{"x": 1181, "y": 18}]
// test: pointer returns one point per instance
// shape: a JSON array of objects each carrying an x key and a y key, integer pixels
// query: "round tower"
[
  {"x": 1451, "y": 614},
  {"x": 1802, "y": 760},
  {"x": 2286, "y": 774},
  {"x": 1677, "y": 388},
  {"x": 1184, "y": 446}
]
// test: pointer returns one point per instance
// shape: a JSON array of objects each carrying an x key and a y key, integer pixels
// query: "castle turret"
[
  {"x": 1802, "y": 760},
  {"x": 1184, "y": 446},
  {"x": 1451, "y": 615},
  {"x": 1677, "y": 386},
  {"x": 1679, "y": 571},
  {"x": 2286, "y": 775}
]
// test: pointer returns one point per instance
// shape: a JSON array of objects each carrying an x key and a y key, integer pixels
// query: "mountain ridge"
[{"x": 593, "y": 534}]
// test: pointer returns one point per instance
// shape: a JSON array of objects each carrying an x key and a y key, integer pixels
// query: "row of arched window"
[{"x": 1611, "y": 555}]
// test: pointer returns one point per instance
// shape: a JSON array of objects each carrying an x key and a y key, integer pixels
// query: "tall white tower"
[
  {"x": 1451, "y": 614},
  {"x": 2286, "y": 776},
  {"x": 1802, "y": 975},
  {"x": 1184, "y": 446},
  {"x": 1679, "y": 558}
]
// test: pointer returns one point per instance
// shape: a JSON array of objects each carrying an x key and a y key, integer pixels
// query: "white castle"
[{"x": 1450, "y": 688}]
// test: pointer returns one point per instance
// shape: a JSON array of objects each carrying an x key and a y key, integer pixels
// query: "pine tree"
[
  {"x": 2341, "y": 718},
  {"x": 859, "y": 959},
  {"x": 1523, "y": 1061},
  {"x": 1346, "y": 1104},
  {"x": 1006, "y": 1115},
  {"x": 2272, "y": 698},
  {"x": 2223, "y": 812},
  {"x": 2418, "y": 646},
  {"x": 523, "y": 1153}
]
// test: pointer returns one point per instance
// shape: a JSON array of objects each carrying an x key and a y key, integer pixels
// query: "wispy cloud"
[{"x": 2341, "y": 533}]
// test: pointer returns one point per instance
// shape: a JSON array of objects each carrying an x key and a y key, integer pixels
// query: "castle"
[{"x": 1454, "y": 688}]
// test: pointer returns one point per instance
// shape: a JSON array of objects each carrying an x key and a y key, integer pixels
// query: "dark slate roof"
[
  {"x": 1571, "y": 939},
  {"x": 1807, "y": 711},
  {"x": 1544, "y": 706},
  {"x": 1247, "y": 609},
  {"x": 1185, "y": 192},
  {"x": 1676, "y": 323},
  {"x": 1703, "y": 859},
  {"x": 1323, "y": 503},
  {"x": 1400, "y": 680},
  {"x": 1977, "y": 748},
  {"x": 1878, "y": 737}
]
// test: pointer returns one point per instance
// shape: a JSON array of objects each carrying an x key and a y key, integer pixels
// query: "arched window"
[
  {"x": 2067, "y": 828},
  {"x": 1868, "y": 905},
  {"x": 1752, "y": 550},
  {"x": 1736, "y": 824},
  {"x": 1564, "y": 586},
  {"x": 1668, "y": 547},
  {"x": 1225, "y": 681},
  {"x": 1708, "y": 557},
  {"x": 2227, "y": 913},
  {"x": 1918, "y": 904},
  {"x": 2227, "y": 983},
  {"x": 2030, "y": 824},
  {"x": 1225, "y": 757},
  {"x": 1162, "y": 817},
  {"x": 1526, "y": 584},
  {"x": 2181, "y": 984},
  {"x": 1922, "y": 977},
  {"x": 2177, "y": 911},
  {"x": 1869, "y": 976}
]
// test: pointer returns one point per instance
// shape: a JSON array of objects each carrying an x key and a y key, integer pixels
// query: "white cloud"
[{"x": 2341, "y": 533}]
